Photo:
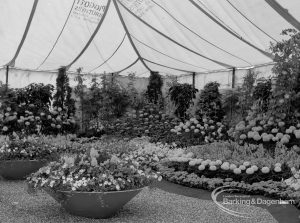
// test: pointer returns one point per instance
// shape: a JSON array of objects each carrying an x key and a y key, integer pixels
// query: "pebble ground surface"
[{"x": 150, "y": 206}]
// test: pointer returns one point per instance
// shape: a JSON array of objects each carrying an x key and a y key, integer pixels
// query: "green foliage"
[
  {"x": 230, "y": 101},
  {"x": 136, "y": 100},
  {"x": 102, "y": 102},
  {"x": 114, "y": 99},
  {"x": 154, "y": 92},
  {"x": 262, "y": 93},
  {"x": 150, "y": 121},
  {"x": 237, "y": 102},
  {"x": 63, "y": 96},
  {"x": 27, "y": 110},
  {"x": 209, "y": 103},
  {"x": 246, "y": 92},
  {"x": 182, "y": 95},
  {"x": 274, "y": 116},
  {"x": 39, "y": 95},
  {"x": 286, "y": 90}
]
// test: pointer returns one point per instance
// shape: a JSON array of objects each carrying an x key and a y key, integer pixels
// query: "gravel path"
[{"x": 150, "y": 206}]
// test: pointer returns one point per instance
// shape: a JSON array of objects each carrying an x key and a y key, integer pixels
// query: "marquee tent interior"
[{"x": 121, "y": 36}]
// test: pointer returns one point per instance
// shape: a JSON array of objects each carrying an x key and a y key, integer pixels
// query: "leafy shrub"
[
  {"x": 261, "y": 94},
  {"x": 154, "y": 88},
  {"x": 286, "y": 90},
  {"x": 209, "y": 103},
  {"x": 275, "y": 115},
  {"x": 182, "y": 95},
  {"x": 100, "y": 103},
  {"x": 28, "y": 110}
]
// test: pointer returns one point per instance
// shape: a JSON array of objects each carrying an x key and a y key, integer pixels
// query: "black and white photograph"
[{"x": 149, "y": 111}]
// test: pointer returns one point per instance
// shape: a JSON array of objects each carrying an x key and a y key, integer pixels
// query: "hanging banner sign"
[
  {"x": 138, "y": 7},
  {"x": 88, "y": 10}
]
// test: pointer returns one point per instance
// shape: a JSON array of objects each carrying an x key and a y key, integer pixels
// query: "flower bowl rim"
[{"x": 101, "y": 192}]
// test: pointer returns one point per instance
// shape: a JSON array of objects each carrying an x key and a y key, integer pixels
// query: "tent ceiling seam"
[
  {"x": 165, "y": 54},
  {"x": 284, "y": 13},
  {"x": 97, "y": 49},
  {"x": 138, "y": 59},
  {"x": 61, "y": 31},
  {"x": 242, "y": 14},
  {"x": 128, "y": 35},
  {"x": 13, "y": 60},
  {"x": 173, "y": 68},
  {"x": 220, "y": 20},
  {"x": 174, "y": 41},
  {"x": 92, "y": 36},
  {"x": 269, "y": 55},
  {"x": 120, "y": 44},
  {"x": 198, "y": 35}
]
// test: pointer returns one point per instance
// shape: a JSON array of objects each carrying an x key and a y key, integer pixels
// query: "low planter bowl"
[
  {"x": 19, "y": 169},
  {"x": 93, "y": 204}
]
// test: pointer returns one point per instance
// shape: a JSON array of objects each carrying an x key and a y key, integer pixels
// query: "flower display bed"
[{"x": 272, "y": 189}]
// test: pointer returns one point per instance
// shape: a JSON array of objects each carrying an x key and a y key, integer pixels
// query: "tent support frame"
[
  {"x": 233, "y": 78},
  {"x": 12, "y": 62},
  {"x": 194, "y": 74},
  {"x": 128, "y": 35},
  {"x": 6, "y": 78},
  {"x": 92, "y": 36},
  {"x": 284, "y": 13}
]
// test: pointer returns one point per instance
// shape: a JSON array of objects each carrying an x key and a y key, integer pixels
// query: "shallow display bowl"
[
  {"x": 19, "y": 169},
  {"x": 93, "y": 204}
]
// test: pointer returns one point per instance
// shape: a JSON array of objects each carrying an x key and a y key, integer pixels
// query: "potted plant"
[
  {"x": 93, "y": 183},
  {"x": 21, "y": 157}
]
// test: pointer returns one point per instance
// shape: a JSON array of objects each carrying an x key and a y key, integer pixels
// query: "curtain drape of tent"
[{"x": 170, "y": 36}]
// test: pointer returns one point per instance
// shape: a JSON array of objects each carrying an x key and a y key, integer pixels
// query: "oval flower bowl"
[
  {"x": 93, "y": 204},
  {"x": 94, "y": 183},
  {"x": 19, "y": 157},
  {"x": 19, "y": 169}
]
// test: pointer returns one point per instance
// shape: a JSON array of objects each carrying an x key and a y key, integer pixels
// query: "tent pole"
[
  {"x": 233, "y": 78},
  {"x": 194, "y": 74},
  {"x": 6, "y": 80}
]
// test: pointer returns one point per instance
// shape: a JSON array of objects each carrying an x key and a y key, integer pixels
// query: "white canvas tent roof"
[{"x": 169, "y": 36}]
